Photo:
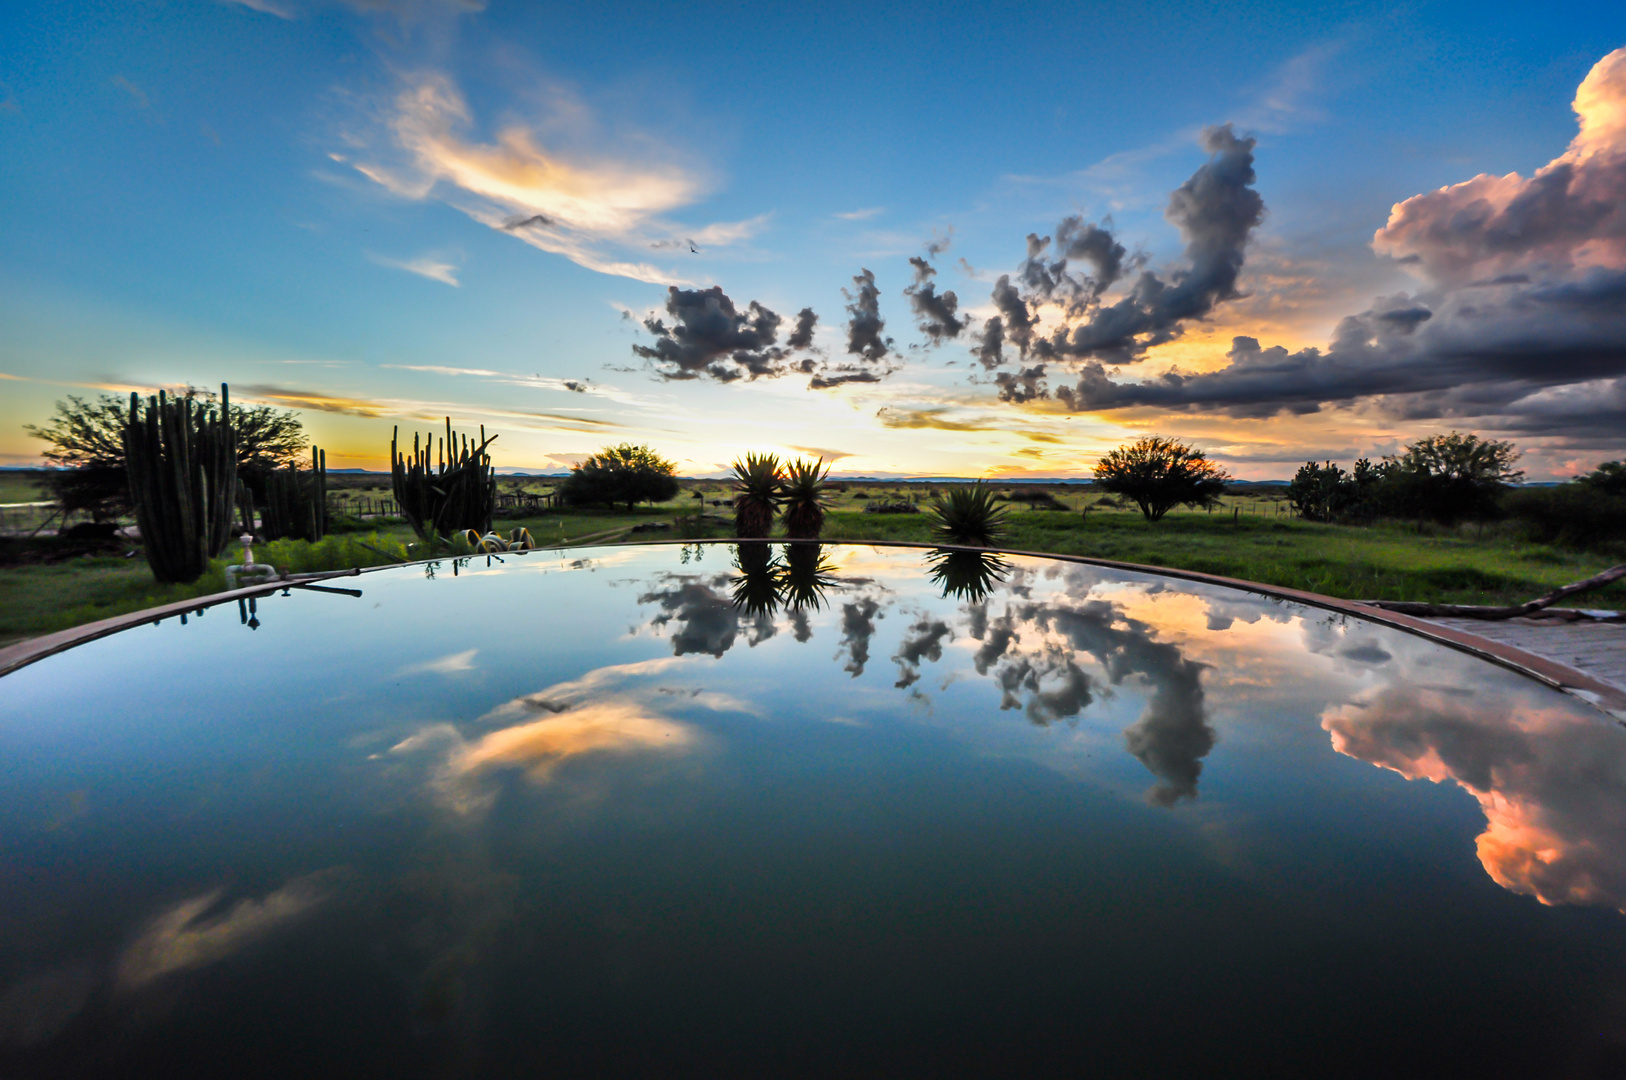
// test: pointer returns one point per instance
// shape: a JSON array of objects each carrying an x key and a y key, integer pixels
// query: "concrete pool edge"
[{"x": 1603, "y": 696}]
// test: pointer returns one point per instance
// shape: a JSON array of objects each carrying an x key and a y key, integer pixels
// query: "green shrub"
[{"x": 1575, "y": 513}]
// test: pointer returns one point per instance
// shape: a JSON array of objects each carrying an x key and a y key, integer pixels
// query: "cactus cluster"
[
  {"x": 181, "y": 460},
  {"x": 295, "y": 505},
  {"x": 446, "y": 491}
]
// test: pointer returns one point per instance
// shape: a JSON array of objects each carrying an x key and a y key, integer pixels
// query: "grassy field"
[
  {"x": 1248, "y": 538},
  {"x": 16, "y": 487}
]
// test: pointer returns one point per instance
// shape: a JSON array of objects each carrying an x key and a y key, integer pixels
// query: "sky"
[{"x": 972, "y": 241}]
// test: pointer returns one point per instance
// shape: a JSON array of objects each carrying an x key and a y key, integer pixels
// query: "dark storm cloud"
[
  {"x": 841, "y": 376},
  {"x": 1079, "y": 240},
  {"x": 990, "y": 350},
  {"x": 1024, "y": 386},
  {"x": 1519, "y": 325},
  {"x": 802, "y": 336},
  {"x": 865, "y": 341},
  {"x": 1510, "y": 355},
  {"x": 709, "y": 337},
  {"x": 934, "y": 311},
  {"x": 1215, "y": 210},
  {"x": 522, "y": 222},
  {"x": 864, "y": 328}
]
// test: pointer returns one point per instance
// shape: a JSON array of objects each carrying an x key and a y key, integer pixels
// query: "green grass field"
[{"x": 1249, "y": 538}]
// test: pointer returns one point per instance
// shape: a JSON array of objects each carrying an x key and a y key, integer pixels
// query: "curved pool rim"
[{"x": 1603, "y": 696}]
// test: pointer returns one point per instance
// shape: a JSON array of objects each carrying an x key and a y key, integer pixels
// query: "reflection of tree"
[
  {"x": 1552, "y": 784},
  {"x": 966, "y": 575}
]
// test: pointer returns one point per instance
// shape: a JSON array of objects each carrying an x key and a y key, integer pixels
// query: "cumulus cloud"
[
  {"x": 802, "y": 336},
  {"x": 1215, "y": 210},
  {"x": 935, "y": 312},
  {"x": 865, "y": 325},
  {"x": 1518, "y": 323},
  {"x": 708, "y": 337},
  {"x": 592, "y": 209}
]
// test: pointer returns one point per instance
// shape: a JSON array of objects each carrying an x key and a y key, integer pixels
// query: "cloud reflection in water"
[{"x": 1552, "y": 784}]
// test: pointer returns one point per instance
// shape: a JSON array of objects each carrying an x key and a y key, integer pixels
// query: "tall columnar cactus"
[
  {"x": 296, "y": 504},
  {"x": 459, "y": 494},
  {"x": 181, "y": 460}
]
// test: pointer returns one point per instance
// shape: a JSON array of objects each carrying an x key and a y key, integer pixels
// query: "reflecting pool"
[{"x": 699, "y": 810}]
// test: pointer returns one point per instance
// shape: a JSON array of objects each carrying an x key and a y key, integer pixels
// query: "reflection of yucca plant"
[
  {"x": 969, "y": 515},
  {"x": 802, "y": 489},
  {"x": 967, "y": 575},
  {"x": 756, "y": 589},
  {"x": 806, "y": 576},
  {"x": 756, "y": 494}
]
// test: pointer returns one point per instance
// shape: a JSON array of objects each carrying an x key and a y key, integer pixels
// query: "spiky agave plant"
[
  {"x": 802, "y": 489},
  {"x": 969, "y": 515},
  {"x": 756, "y": 494}
]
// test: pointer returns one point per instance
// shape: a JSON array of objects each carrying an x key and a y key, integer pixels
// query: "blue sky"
[{"x": 308, "y": 200}]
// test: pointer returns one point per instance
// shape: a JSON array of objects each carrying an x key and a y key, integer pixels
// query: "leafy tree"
[
  {"x": 1159, "y": 474},
  {"x": 1326, "y": 492},
  {"x": 621, "y": 474},
  {"x": 1449, "y": 477},
  {"x": 87, "y": 445},
  {"x": 1608, "y": 478}
]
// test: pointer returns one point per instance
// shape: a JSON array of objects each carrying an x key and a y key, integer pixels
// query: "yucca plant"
[
  {"x": 802, "y": 489},
  {"x": 756, "y": 494},
  {"x": 966, "y": 575},
  {"x": 969, "y": 515}
]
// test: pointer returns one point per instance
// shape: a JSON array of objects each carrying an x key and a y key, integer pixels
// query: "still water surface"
[{"x": 638, "y": 811}]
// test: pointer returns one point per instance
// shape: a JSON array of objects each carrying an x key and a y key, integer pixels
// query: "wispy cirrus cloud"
[
  {"x": 423, "y": 411},
  {"x": 596, "y": 210},
  {"x": 424, "y": 266},
  {"x": 137, "y": 95},
  {"x": 861, "y": 215},
  {"x": 264, "y": 7}
]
